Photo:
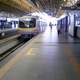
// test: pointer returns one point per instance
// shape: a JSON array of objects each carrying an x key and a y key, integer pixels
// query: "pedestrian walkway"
[{"x": 45, "y": 57}]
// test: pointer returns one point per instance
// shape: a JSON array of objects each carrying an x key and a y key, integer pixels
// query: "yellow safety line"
[
  {"x": 17, "y": 57},
  {"x": 9, "y": 65},
  {"x": 29, "y": 52}
]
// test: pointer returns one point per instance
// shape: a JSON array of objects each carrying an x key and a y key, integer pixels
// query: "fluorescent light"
[{"x": 64, "y": 0}]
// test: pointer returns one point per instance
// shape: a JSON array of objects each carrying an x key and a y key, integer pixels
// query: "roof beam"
[{"x": 22, "y": 5}]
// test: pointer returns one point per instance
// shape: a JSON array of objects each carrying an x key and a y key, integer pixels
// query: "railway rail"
[{"x": 8, "y": 46}]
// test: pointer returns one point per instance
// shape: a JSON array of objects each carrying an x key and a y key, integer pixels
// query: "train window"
[
  {"x": 21, "y": 24},
  {"x": 5, "y": 25},
  {"x": 32, "y": 23},
  {"x": 27, "y": 24}
]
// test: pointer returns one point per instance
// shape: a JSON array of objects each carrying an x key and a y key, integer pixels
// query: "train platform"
[{"x": 48, "y": 56}]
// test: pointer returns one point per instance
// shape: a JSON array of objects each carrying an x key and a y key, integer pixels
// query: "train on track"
[
  {"x": 26, "y": 27},
  {"x": 31, "y": 26}
]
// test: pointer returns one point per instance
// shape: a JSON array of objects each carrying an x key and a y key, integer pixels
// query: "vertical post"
[
  {"x": 66, "y": 22},
  {"x": 75, "y": 27}
]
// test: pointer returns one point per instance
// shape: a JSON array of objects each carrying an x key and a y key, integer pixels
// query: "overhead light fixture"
[
  {"x": 60, "y": 7},
  {"x": 64, "y": 0}
]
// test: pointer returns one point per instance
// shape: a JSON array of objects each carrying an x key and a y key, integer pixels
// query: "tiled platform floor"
[{"x": 46, "y": 57}]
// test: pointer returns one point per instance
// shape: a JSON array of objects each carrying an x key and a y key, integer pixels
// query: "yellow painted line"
[
  {"x": 21, "y": 53},
  {"x": 73, "y": 61},
  {"x": 29, "y": 52},
  {"x": 9, "y": 65},
  {"x": 78, "y": 68}
]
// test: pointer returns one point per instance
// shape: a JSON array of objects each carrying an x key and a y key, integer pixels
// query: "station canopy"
[{"x": 24, "y": 7}]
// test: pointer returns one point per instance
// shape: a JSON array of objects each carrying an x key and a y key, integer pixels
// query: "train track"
[{"x": 19, "y": 41}]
